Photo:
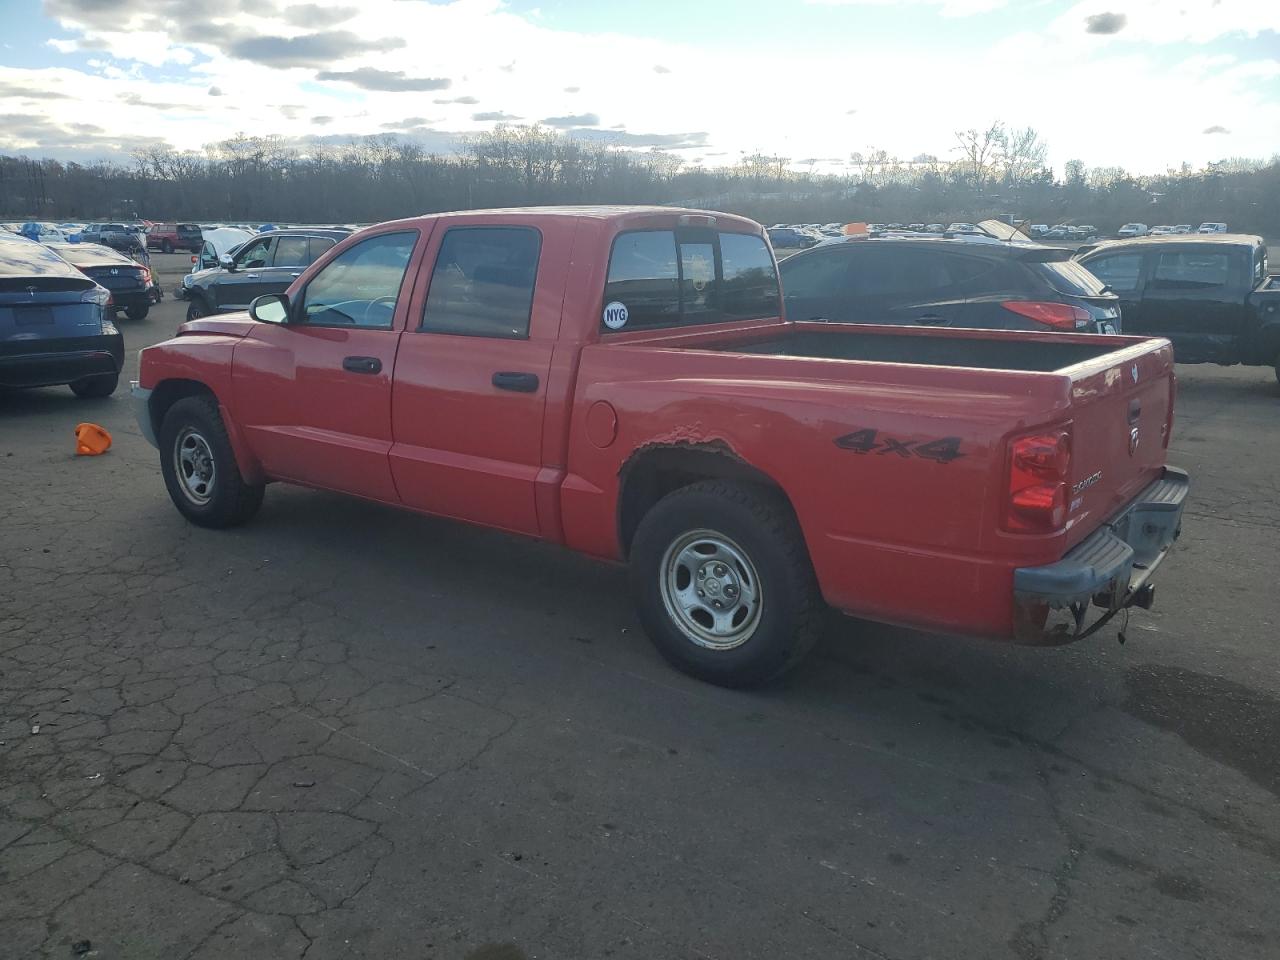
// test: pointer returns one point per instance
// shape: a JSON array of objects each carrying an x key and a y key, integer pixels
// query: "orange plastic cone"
[{"x": 91, "y": 440}]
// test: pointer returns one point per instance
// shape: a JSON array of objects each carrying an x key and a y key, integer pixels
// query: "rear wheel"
[
  {"x": 91, "y": 388},
  {"x": 723, "y": 584},
  {"x": 200, "y": 469},
  {"x": 137, "y": 313},
  {"x": 197, "y": 308}
]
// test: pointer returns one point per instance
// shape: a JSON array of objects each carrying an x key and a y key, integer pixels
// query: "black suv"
[
  {"x": 266, "y": 264},
  {"x": 947, "y": 282}
]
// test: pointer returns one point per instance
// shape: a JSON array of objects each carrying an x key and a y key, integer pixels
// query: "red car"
[
  {"x": 168, "y": 237},
  {"x": 618, "y": 380}
]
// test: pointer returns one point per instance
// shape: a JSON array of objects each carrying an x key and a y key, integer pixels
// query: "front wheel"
[
  {"x": 137, "y": 313},
  {"x": 196, "y": 307},
  {"x": 723, "y": 583},
  {"x": 200, "y": 469}
]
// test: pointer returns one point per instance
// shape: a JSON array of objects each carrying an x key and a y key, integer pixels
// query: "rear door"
[
  {"x": 472, "y": 373},
  {"x": 1194, "y": 296}
]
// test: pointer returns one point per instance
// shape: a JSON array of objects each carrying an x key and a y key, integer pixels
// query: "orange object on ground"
[{"x": 91, "y": 440}]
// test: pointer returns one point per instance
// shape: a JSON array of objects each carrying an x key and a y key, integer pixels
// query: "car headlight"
[{"x": 109, "y": 329}]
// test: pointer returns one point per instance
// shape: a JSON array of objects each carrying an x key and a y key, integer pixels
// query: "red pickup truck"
[{"x": 619, "y": 380}]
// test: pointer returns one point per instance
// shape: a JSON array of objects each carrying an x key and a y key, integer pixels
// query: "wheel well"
[
  {"x": 655, "y": 471},
  {"x": 169, "y": 392}
]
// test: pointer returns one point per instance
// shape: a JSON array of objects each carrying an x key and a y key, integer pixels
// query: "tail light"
[
  {"x": 1059, "y": 316},
  {"x": 1168, "y": 419},
  {"x": 96, "y": 294},
  {"x": 1037, "y": 493},
  {"x": 193, "y": 258},
  {"x": 146, "y": 277}
]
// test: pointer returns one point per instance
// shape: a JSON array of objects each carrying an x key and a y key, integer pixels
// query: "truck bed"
[{"x": 953, "y": 349}]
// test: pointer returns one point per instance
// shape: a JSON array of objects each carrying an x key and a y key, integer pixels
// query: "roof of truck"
[
  {"x": 619, "y": 213},
  {"x": 1239, "y": 239}
]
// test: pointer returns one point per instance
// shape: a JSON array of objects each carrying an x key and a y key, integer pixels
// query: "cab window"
[
  {"x": 1122, "y": 272},
  {"x": 360, "y": 286}
]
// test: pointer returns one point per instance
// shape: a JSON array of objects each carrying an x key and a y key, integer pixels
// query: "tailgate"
[{"x": 1122, "y": 407}]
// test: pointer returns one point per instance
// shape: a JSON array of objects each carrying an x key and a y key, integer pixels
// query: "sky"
[{"x": 1141, "y": 84}]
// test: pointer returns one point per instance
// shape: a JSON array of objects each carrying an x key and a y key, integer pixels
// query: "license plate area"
[{"x": 33, "y": 316}]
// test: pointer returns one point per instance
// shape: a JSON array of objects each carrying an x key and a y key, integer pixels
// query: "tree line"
[{"x": 988, "y": 172}]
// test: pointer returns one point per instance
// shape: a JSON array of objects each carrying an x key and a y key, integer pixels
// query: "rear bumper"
[
  {"x": 1111, "y": 569},
  {"x": 51, "y": 363}
]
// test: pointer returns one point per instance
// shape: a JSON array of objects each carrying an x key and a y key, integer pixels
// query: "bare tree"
[{"x": 979, "y": 151}]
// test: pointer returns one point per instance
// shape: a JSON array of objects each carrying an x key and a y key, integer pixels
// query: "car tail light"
[
  {"x": 96, "y": 294},
  {"x": 1039, "y": 465},
  {"x": 1059, "y": 316},
  {"x": 146, "y": 277}
]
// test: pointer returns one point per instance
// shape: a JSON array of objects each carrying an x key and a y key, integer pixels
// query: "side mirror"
[
  {"x": 270, "y": 308},
  {"x": 226, "y": 261}
]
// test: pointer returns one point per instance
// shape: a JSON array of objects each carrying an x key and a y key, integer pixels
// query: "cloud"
[
  {"x": 1105, "y": 23},
  {"x": 950, "y": 8},
  {"x": 371, "y": 78},
  {"x": 19, "y": 132},
  {"x": 322, "y": 121},
  {"x": 1216, "y": 128},
  {"x": 314, "y": 15},
  {"x": 659, "y": 68},
  {"x": 291, "y": 110},
  {"x": 573, "y": 120},
  {"x": 488, "y": 115},
  {"x": 20, "y": 92},
  {"x": 469, "y": 101},
  {"x": 572, "y": 89},
  {"x": 216, "y": 92},
  {"x": 620, "y": 138},
  {"x": 312, "y": 50},
  {"x": 408, "y": 123}
]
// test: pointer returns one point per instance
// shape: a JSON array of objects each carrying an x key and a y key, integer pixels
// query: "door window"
[
  {"x": 818, "y": 274},
  {"x": 483, "y": 281},
  {"x": 291, "y": 252},
  {"x": 256, "y": 254},
  {"x": 898, "y": 273},
  {"x": 360, "y": 286},
  {"x": 750, "y": 289},
  {"x": 1122, "y": 272},
  {"x": 1191, "y": 270},
  {"x": 316, "y": 246}
]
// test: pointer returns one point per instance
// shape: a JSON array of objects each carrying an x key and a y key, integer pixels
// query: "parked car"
[
  {"x": 934, "y": 228},
  {"x": 1161, "y": 231},
  {"x": 268, "y": 263},
  {"x": 1211, "y": 297},
  {"x": 168, "y": 237},
  {"x": 935, "y": 282},
  {"x": 962, "y": 228},
  {"x": 129, "y": 282},
  {"x": 1212, "y": 228},
  {"x": 618, "y": 380},
  {"x": 1089, "y": 230},
  {"x": 1183, "y": 228},
  {"x": 1038, "y": 229},
  {"x": 112, "y": 234},
  {"x": 783, "y": 237},
  {"x": 55, "y": 327},
  {"x": 216, "y": 242},
  {"x": 1132, "y": 230}
]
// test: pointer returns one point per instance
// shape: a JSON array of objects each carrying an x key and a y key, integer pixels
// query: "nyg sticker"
[{"x": 616, "y": 315}]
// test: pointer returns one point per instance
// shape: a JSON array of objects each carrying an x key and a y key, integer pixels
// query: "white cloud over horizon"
[{"x": 340, "y": 69}]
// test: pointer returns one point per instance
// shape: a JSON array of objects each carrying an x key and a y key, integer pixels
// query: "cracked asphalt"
[{"x": 344, "y": 731}]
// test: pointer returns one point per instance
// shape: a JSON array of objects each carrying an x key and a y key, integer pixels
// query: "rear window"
[
  {"x": 1070, "y": 278},
  {"x": 662, "y": 278},
  {"x": 1191, "y": 270},
  {"x": 188, "y": 228}
]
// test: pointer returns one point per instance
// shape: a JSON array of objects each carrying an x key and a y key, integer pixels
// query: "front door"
[
  {"x": 235, "y": 289},
  {"x": 1125, "y": 274},
  {"x": 314, "y": 394},
  {"x": 472, "y": 373}
]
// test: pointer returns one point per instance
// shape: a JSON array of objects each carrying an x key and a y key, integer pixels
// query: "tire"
[
  {"x": 734, "y": 534},
  {"x": 93, "y": 388},
  {"x": 166, "y": 246},
  {"x": 196, "y": 307},
  {"x": 200, "y": 469},
  {"x": 137, "y": 313}
]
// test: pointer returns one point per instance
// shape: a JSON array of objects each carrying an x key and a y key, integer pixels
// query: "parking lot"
[{"x": 343, "y": 731}]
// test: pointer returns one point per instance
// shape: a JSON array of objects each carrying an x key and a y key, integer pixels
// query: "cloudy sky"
[{"x": 1144, "y": 84}]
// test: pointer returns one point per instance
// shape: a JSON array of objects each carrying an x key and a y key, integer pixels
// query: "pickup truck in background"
[
  {"x": 619, "y": 380},
  {"x": 168, "y": 237},
  {"x": 1210, "y": 296}
]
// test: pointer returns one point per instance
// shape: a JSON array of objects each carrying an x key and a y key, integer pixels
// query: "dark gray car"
[{"x": 266, "y": 264}]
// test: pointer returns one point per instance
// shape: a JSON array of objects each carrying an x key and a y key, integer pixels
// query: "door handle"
[
  {"x": 362, "y": 364},
  {"x": 519, "y": 382},
  {"x": 931, "y": 318},
  {"x": 251, "y": 276},
  {"x": 295, "y": 275}
]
